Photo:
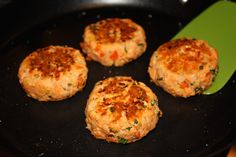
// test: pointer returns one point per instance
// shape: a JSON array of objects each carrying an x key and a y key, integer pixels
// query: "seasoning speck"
[
  {"x": 48, "y": 32},
  {"x": 27, "y": 42},
  {"x": 187, "y": 150},
  {"x": 112, "y": 109},
  {"x": 183, "y": 2},
  {"x": 205, "y": 131},
  {"x": 200, "y": 67},
  {"x": 54, "y": 25},
  {"x": 180, "y": 24},
  {"x": 41, "y": 154},
  {"x": 150, "y": 16},
  {"x": 83, "y": 13}
]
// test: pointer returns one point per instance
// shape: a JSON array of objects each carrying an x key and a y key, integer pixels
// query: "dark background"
[{"x": 12, "y": 10}]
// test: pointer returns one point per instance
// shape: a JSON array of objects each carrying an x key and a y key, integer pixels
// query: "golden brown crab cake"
[
  {"x": 184, "y": 67},
  {"x": 114, "y": 41},
  {"x": 53, "y": 73},
  {"x": 121, "y": 110}
]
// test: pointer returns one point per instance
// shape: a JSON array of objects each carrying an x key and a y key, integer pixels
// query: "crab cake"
[
  {"x": 53, "y": 73},
  {"x": 121, "y": 110},
  {"x": 184, "y": 67},
  {"x": 114, "y": 41}
]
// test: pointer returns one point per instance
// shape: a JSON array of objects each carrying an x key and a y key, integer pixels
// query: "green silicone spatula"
[{"x": 217, "y": 25}]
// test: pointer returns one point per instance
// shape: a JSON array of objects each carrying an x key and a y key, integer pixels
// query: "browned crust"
[
  {"x": 184, "y": 54},
  {"x": 113, "y": 30},
  {"x": 121, "y": 110},
  {"x": 135, "y": 97},
  {"x": 51, "y": 61}
]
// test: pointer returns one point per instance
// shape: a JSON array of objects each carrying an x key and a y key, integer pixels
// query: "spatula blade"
[{"x": 217, "y": 25}]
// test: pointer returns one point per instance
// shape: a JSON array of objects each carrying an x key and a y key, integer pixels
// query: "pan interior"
[{"x": 189, "y": 126}]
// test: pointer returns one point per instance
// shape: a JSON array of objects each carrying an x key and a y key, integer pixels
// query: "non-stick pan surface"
[{"x": 197, "y": 126}]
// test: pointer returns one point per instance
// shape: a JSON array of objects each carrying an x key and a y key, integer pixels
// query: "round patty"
[
  {"x": 114, "y": 41},
  {"x": 53, "y": 73},
  {"x": 121, "y": 110},
  {"x": 184, "y": 67}
]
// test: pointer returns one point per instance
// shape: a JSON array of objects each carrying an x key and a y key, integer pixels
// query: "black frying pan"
[{"x": 197, "y": 126}]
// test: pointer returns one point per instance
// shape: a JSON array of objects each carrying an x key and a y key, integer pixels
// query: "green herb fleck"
[
  {"x": 125, "y": 48},
  {"x": 153, "y": 102},
  {"x": 112, "y": 109},
  {"x": 213, "y": 71},
  {"x": 69, "y": 84},
  {"x": 200, "y": 67},
  {"x": 135, "y": 121},
  {"x": 122, "y": 140},
  {"x": 140, "y": 44},
  {"x": 93, "y": 27},
  {"x": 128, "y": 128},
  {"x": 160, "y": 78},
  {"x": 198, "y": 90}
]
